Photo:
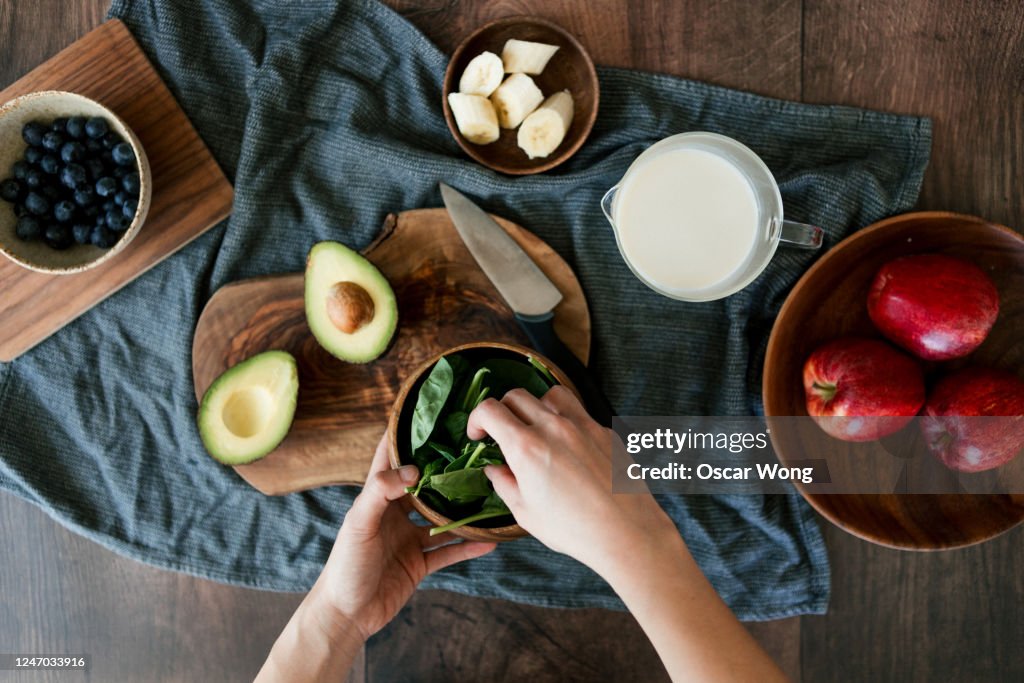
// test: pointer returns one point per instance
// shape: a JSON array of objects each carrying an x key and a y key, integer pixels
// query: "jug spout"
[{"x": 607, "y": 202}]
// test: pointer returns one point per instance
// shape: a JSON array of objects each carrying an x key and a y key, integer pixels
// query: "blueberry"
[
  {"x": 108, "y": 205},
  {"x": 104, "y": 238},
  {"x": 84, "y": 195},
  {"x": 74, "y": 176},
  {"x": 19, "y": 210},
  {"x": 20, "y": 169},
  {"x": 37, "y": 203},
  {"x": 64, "y": 211},
  {"x": 130, "y": 208},
  {"x": 72, "y": 152},
  {"x": 96, "y": 169},
  {"x": 93, "y": 146},
  {"x": 53, "y": 141},
  {"x": 91, "y": 211},
  {"x": 106, "y": 186},
  {"x": 132, "y": 184},
  {"x": 119, "y": 198},
  {"x": 116, "y": 221},
  {"x": 34, "y": 178},
  {"x": 33, "y": 155},
  {"x": 123, "y": 154},
  {"x": 33, "y": 132},
  {"x": 10, "y": 190},
  {"x": 59, "y": 236},
  {"x": 59, "y": 124},
  {"x": 96, "y": 127},
  {"x": 76, "y": 127},
  {"x": 49, "y": 164},
  {"x": 121, "y": 172},
  {"x": 112, "y": 140},
  {"x": 81, "y": 232},
  {"x": 50, "y": 192},
  {"x": 28, "y": 228}
]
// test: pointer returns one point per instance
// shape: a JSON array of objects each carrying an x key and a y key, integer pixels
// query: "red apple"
[
  {"x": 862, "y": 389},
  {"x": 974, "y": 419},
  {"x": 937, "y": 307}
]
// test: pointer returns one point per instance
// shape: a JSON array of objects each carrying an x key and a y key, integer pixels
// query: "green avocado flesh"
[
  {"x": 248, "y": 410},
  {"x": 350, "y": 306}
]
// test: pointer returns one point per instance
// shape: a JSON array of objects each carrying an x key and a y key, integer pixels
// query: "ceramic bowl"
[
  {"x": 830, "y": 301},
  {"x": 401, "y": 419},
  {"x": 46, "y": 106},
  {"x": 569, "y": 69}
]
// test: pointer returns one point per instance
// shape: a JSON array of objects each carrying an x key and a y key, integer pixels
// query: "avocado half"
[
  {"x": 350, "y": 306},
  {"x": 248, "y": 410}
]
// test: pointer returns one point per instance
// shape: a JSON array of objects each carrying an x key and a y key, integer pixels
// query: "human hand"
[
  {"x": 380, "y": 555},
  {"x": 558, "y": 481}
]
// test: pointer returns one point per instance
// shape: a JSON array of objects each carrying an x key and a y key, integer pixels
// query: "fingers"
[
  {"x": 380, "y": 457},
  {"x": 505, "y": 484},
  {"x": 563, "y": 402},
  {"x": 525, "y": 406},
  {"x": 429, "y": 542},
  {"x": 493, "y": 419},
  {"x": 456, "y": 552},
  {"x": 381, "y": 488}
]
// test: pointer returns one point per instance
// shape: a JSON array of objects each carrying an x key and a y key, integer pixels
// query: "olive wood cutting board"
[
  {"x": 444, "y": 300},
  {"x": 190, "y": 193}
]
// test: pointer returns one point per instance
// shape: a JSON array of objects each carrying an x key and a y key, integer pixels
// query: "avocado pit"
[{"x": 349, "y": 306}]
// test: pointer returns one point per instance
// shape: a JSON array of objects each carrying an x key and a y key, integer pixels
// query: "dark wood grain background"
[{"x": 894, "y": 616}]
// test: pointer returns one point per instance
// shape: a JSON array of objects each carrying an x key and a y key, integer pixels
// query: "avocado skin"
[{"x": 211, "y": 424}]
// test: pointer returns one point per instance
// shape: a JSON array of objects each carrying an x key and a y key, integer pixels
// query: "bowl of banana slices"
[{"x": 520, "y": 95}]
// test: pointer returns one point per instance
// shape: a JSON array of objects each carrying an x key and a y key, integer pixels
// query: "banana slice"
[
  {"x": 475, "y": 117},
  {"x": 543, "y": 130},
  {"x": 515, "y": 99},
  {"x": 524, "y": 57},
  {"x": 483, "y": 75}
]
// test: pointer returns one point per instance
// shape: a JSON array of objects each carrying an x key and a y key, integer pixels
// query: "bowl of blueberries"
[{"x": 75, "y": 183}]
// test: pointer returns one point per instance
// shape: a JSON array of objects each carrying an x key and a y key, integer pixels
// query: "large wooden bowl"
[
  {"x": 570, "y": 69},
  {"x": 830, "y": 301},
  {"x": 401, "y": 419}
]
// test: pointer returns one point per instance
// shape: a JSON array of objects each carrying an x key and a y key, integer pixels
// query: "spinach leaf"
[
  {"x": 430, "y": 402},
  {"x": 447, "y": 452},
  {"x": 493, "y": 506},
  {"x": 462, "y": 486},
  {"x": 430, "y": 470},
  {"x": 475, "y": 392},
  {"x": 507, "y": 375},
  {"x": 455, "y": 425},
  {"x": 542, "y": 369}
]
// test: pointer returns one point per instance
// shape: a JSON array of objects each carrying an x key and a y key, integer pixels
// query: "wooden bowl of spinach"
[{"x": 428, "y": 429}]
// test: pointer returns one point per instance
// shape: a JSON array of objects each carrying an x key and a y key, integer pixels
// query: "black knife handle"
[{"x": 542, "y": 335}]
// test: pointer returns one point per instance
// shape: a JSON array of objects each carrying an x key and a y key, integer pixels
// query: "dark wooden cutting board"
[
  {"x": 190, "y": 193},
  {"x": 444, "y": 299}
]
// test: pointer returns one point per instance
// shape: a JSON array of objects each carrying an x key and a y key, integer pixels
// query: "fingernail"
[{"x": 408, "y": 473}]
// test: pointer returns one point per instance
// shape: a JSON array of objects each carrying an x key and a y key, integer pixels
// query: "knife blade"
[
  {"x": 528, "y": 291},
  {"x": 523, "y": 285}
]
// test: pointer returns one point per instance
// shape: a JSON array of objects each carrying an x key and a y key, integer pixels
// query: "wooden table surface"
[{"x": 894, "y": 616}]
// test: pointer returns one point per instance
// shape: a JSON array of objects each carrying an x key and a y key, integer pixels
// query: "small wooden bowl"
[
  {"x": 401, "y": 419},
  {"x": 48, "y": 105},
  {"x": 830, "y": 301},
  {"x": 570, "y": 69}
]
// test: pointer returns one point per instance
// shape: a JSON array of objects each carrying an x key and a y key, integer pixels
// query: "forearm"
[
  {"x": 696, "y": 635},
  {"x": 314, "y": 646}
]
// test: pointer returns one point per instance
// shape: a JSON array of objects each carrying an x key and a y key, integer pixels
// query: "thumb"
[
  {"x": 380, "y": 490},
  {"x": 505, "y": 484}
]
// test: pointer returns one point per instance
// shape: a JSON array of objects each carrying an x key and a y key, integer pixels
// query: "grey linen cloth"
[{"x": 327, "y": 116}]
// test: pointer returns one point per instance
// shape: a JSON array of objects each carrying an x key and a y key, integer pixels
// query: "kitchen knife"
[{"x": 527, "y": 290}]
